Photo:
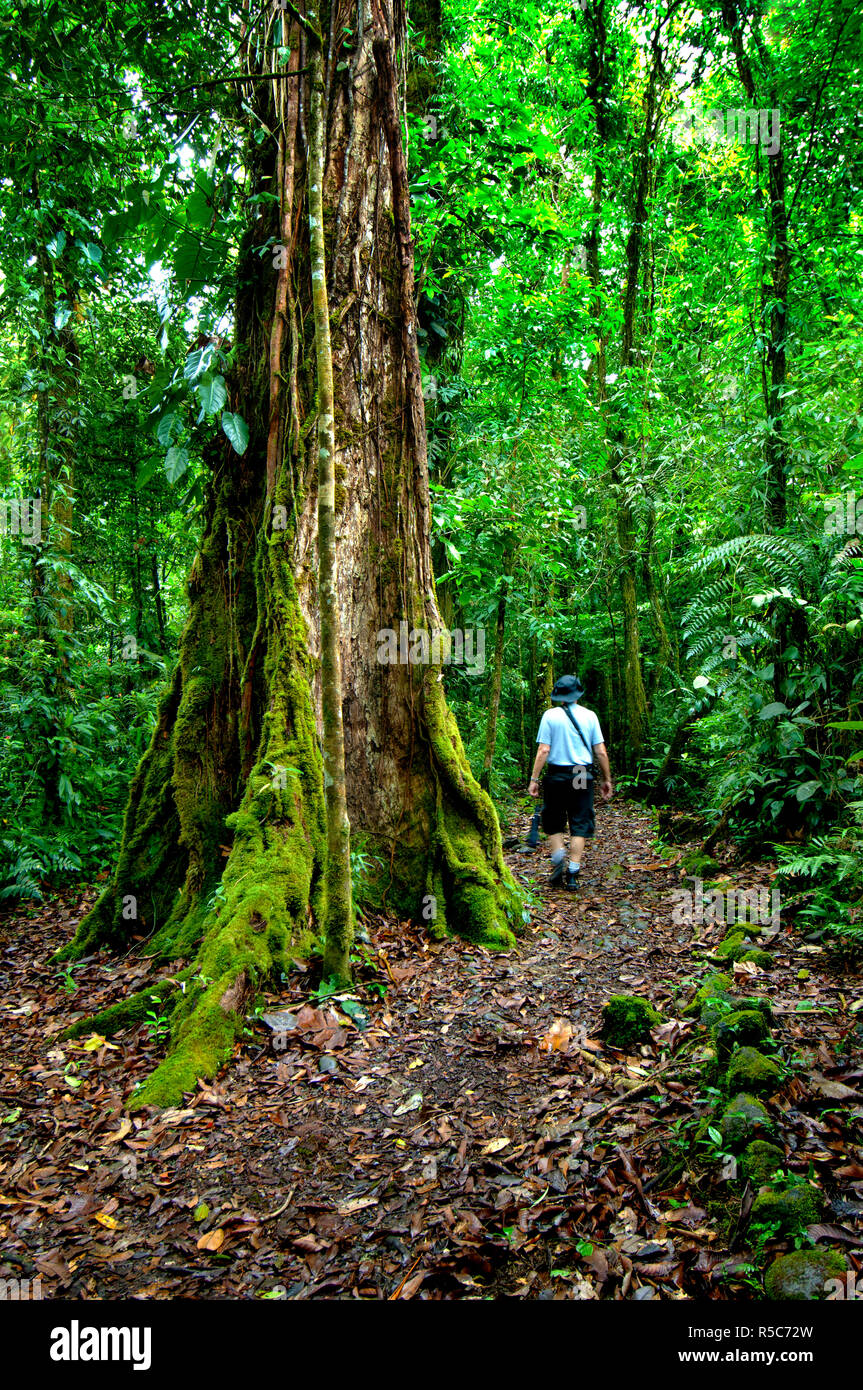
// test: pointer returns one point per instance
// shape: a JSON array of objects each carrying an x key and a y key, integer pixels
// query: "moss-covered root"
[
  {"x": 128, "y": 1011},
  {"x": 151, "y": 864},
  {"x": 259, "y": 915},
  {"x": 258, "y": 921},
  {"x": 474, "y": 893}
]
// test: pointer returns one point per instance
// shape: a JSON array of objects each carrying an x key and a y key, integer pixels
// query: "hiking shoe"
[
  {"x": 572, "y": 878},
  {"x": 558, "y": 874}
]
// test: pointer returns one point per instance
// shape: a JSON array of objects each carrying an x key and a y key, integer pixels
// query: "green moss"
[
  {"x": 462, "y": 863},
  {"x": 125, "y": 1013},
  {"x": 763, "y": 1005},
  {"x": 732, "y": 947},
  {"x": 715, "y": 1009},
  {"x": 791, "y": 1208},
  {"x": 751, "y": 1071},
  {"x": 714, "y": 985},
  {"x": 763, "y": 959},
  {"x": 742, "y": 1118},
  {"x": 243, "y": 917},
  {"x": 761, "y": 1161},
  {"x": 628, "y": 1019},
  {"x": 804, "y": 1275},
  {"x": 695, "y": 861},
  {"x": 737, "y": 1029}
]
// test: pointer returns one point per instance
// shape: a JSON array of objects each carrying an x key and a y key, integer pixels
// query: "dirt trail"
[{"x": 447, "y": 1147}]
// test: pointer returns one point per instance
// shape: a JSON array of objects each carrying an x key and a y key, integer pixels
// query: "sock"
[
  {"x": 558, "y": 856},
  {"x": 573, "y": 867}
]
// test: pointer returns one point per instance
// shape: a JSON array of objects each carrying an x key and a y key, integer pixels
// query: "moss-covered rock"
[
  {"x": 804, "y": 1275},
  {"x": 714, "y": 985},
  {"x": 764, "y": 1006},
  {"x": 739, "y": 1029},
  {"x": 763, "y": 959},
  {"x": 760, "y": 1161},
  {"x": 732, "y": 947},
  {"x": 751, "y": 1071},
  {"x": 741, "y": 1120},
  {"x": 628, "y": 1019},
  {"x": 699, "y": 863},
  {"x": 751, "y": 930},
  {"x": 790, "y": 1208}
]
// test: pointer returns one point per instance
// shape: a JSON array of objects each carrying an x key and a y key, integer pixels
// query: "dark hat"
[{"x": 567, "y": 690}]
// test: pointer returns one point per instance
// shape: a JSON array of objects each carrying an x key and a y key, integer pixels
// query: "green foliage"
[
  {"x": 118, "y": 272},
  {"x": 67, "y": 753},
  {"x": 828, "y": 872}
]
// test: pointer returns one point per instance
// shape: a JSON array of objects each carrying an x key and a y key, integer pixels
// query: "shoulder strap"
[{"x": 575, "y": 724}]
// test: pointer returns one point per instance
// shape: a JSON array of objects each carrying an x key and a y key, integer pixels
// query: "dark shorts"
[{"x": 564, "y": 803}]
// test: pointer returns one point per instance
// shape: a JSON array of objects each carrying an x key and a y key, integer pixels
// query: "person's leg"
[
  {"x": 581, "y": 826},
  {"x": 554, "y": 825},
  {"x": 576, "y": 850}
]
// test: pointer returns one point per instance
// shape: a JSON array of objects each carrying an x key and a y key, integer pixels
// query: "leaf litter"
[{"x": 532, "y": 1162}]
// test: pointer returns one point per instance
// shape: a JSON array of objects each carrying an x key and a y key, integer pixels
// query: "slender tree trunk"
[
  {"x": 159, "y": 603},
  {"x": 635, "y": 698},
  {"x": 774, "y": 296},
  {"x": 338, "y": 927},
  {"x": 225, "y": 845},
  {"x": 57, "y": 432},
  {"x": 666, "y": 654},
  {"x": 774, "y": 308},
  {"x": 497, "y": 670}
]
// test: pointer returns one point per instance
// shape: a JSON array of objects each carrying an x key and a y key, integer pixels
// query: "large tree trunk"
[{"x": 224, "y": 846}]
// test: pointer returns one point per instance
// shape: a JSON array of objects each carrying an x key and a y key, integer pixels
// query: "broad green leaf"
[
  {"x": 196, "y": 362},
  {"x": 168, "y": 425},
  {"x": 807, "y": 789},
  {"x": 212, "y": 393},
  {"x": 199, "y": 205},
  {"x": 237, "y": 431},
  {"x": 176, "y": 463},
  {"x": 773, "y": 711}
]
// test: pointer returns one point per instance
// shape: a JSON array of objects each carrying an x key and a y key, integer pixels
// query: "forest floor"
[{"x": 469, "y": 1135}]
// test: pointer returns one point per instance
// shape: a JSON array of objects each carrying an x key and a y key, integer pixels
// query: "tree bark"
[
  {"x": 338, "y": 925},
  {"x": 225, "y": 843}
]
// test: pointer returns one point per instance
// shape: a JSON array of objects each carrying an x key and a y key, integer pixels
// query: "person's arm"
[
  {"x": 600, "y": 752},
  {"x": 540, "y": 760}
]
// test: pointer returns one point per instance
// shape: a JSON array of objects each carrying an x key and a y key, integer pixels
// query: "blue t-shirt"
[{"x": 565, "y": 746}]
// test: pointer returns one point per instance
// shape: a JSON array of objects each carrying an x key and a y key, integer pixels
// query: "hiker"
[{"x": 569, "y": 740}]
